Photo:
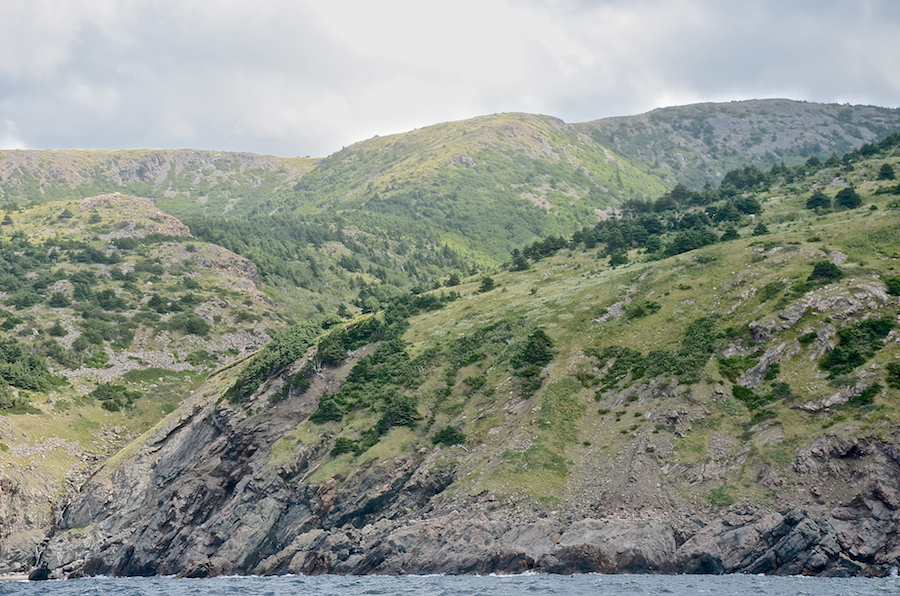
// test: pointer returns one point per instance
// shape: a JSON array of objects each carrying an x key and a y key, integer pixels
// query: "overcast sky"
[{"x": 295, "y": 77}]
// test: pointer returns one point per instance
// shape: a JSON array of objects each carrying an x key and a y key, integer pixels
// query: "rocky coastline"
[{"x": 201, "y": 496}]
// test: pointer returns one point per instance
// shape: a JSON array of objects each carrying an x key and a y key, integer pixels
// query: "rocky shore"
[{"x": 202, "y": 496}]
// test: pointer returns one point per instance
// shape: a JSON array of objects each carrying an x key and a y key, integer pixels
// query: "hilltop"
[
  {"x": 181, "y": 182},
  {"x": 472, "y": 189},
  {"x": 714, "y": 392},
  {"x": 698, "y": 143}
]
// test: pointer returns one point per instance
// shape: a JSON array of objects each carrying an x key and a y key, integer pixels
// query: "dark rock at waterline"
[{"x": 202, "y": 496}]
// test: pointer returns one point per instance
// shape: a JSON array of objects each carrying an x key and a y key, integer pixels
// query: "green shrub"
[
  {"x": 641, "y": 308},
  {"x": 807, "y": 338},
  {"x": 59, "y": 300},
  {"x": 762, "y": 416},
  {"x": 148, "y": 266},
  {"x": 400, "y": 411},
  {"x": 301, "y": 381},
  {"x": 108, "y": 300},
  {"x": 893, "y": 285},
  {"x": 618, "y": 257},
  {"x": 866, "y": 396},
  {"x": 893, "y": 374},
  {"x": 334, "y": 347},
  {"x": 189, "y": 324},
  {"x": 732, "y": 368},
  {"x": 7, "y": 397},
  {"x": 730, "y": 234},
  {"x": 285, "y": 348},
  {"x": 25, "y": 369},
  {"x": 98, "y": 359},
  {"x": 818, "y": 200},
  {"x": 344, "y": 445},
  {"x": 781, "y": 391},
  {"x": 329, "y": 411},
  {"x": 856, "y": 345},
  {"x": 847, "y": 198},
  {"x": 825, "y": 271},
  {"x": 57, "y": 330},
  {"x": 449, "y": 436},
  {"x": 538, "y": 350},
  {"x": 750, "y": 398},
  {"x": 125, "y": 243},
  {"x": 114, "y": 397}
]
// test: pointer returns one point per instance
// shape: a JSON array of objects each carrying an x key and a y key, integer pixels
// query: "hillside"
[
  {"x": 718, "y": 391},
  {"x": 111, "y": 313},
  {"x": 699, "y": 143},
  {"x": 479, "y": 185},
  {"x": 181, "y": 182},
  {"x": 463, "y": 193}
]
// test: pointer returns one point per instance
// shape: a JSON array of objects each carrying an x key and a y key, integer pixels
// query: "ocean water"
[{"x": 433, "y": 585}]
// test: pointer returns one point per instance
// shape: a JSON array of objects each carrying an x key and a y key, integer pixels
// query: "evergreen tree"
[
  {"x": 818, "y": 199},
  {"x": 847, "y": 198}
]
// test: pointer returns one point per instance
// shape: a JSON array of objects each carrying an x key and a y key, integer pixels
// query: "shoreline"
[{"x": 14, "y": 577}]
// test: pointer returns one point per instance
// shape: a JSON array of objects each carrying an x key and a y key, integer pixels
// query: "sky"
[{"x": 308, "y": 77}]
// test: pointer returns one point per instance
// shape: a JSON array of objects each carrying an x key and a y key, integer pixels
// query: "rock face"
[{"x": 206, "y": 494}]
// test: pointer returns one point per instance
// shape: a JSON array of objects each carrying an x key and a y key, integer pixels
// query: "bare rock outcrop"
[{"x": 203, "y": 496}]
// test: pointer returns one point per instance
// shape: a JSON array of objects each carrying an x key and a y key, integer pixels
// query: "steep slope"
[
  {"x": 181, "y": 181},
  {"x": 479, "y": 185},
  {"x": 733, "y": 408},
  {"x": 111, "y": 314},
  {"x": 699, "y": 143}
]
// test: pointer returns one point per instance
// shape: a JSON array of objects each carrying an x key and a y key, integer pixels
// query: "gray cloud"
[{"x": 305, "y": 78}]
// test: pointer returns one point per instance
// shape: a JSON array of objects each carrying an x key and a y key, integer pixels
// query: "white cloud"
[
  {"x": 9, "y": 136},
  {"x": 37, "y": 36},
  {"x": 307, "y": 77}
]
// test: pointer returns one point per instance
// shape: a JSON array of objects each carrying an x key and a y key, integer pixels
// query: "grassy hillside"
[
  {"x": 699, "y": 143},
  {"x": 181, "y": 182},
  {"x": 111, "y": 314},
  {"x": 683, "y": 350},
  {"x": 479, "y": 185},
  {"x": 724, "y": 362}
]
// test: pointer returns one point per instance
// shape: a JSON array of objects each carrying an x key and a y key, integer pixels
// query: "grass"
[
  {"x": 538, "y": 442},
  {"x": 574, "y": 285}
]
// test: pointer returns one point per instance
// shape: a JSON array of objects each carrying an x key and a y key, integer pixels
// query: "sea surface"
[{"x": 435, "y": 585}]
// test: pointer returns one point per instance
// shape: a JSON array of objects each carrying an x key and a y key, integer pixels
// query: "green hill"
[
  {"x": 479, "y": 185},
  {"x": 110, "y": 314},
  {"x": 475, "y": 188},
  {"x": 181, "y": 182},
  {"x": 493, "y": 326},
  {"x": 699, "y": 143},
  {"x": 767, "y": 339},
  {"x": 686, "y": 410}
]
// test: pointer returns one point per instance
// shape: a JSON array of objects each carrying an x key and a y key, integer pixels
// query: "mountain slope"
[
  {"x": 699, "y": 143},
  {"x": 111, "y": 313},
  {"x": 479, "y": 185},
  {"x": 733, "y": 408},
  {"x": 181, "y": 182}
]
